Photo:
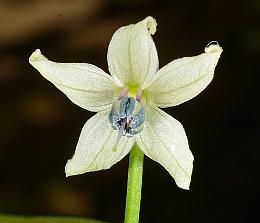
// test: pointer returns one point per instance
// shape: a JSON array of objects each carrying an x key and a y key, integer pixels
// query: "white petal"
[
  {"x": 84, "y": 84},
  {"x": 132, "y": 56},
  {"x": 163, "y": 139},
  {"x": 96, "y": 146},
  {"x": 184, "y": 78}
]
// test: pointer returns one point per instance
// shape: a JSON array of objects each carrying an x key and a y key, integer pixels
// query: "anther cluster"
[{"x": 127, "y": 116}]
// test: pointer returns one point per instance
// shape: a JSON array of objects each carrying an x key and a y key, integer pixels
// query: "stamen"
[
  {"x": 127, "y": 115},
  {"x": 114, "y": 149},
  {"x": 123, "y": 93},
  {"x": 120, "y": 133},
  {"x": 138, "y": 96}
]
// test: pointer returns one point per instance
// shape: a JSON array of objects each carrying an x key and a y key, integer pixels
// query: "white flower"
[{"x": 136, "y": 88}]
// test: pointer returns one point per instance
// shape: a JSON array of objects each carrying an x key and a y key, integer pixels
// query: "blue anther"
[{"x": 127, "y": 116}]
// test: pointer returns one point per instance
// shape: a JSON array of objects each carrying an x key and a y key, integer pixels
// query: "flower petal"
[
  {"x": 163, "y": 139},
  {"x": 96, "y": 146},
  {"x": 84, "y": 84},
  {"x": 184, "y": 78},
  {"x": 132, "y": 56}
]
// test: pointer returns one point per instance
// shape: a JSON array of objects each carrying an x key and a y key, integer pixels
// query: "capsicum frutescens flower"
[{"x": 127, "y": 101}]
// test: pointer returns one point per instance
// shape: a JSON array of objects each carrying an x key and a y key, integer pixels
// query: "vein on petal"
[
  {"x": 106, "y": 76},
  {"x": 184, "y": 86},
  {"x": 101, "y": 150},
  {"x": 116, "y": 157},
  {"x": 171, "y": 70},
  {"x": 169, "y": 151}
]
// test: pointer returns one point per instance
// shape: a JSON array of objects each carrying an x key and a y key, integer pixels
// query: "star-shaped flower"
[{"x": 127, "y": 101}]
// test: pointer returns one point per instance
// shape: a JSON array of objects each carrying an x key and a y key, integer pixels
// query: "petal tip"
[
  {"x": 68, "y": 173},
  {"x": 151, "y": 25},
  {"x": 36, "y": 56},
  {"x": 184, "y": 185},
  {"x": 73, "y": 168},
  {"x": 213, "y": 47}
]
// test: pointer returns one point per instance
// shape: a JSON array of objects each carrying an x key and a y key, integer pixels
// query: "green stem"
[{"x": 134, "y": 185}]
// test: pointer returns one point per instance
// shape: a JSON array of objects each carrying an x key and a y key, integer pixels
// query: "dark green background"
[{"x": 39, "y": 126}]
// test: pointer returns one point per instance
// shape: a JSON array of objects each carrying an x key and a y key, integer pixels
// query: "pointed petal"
[
  {"x": 84, "y": 84},
  {"x": 163, "y": 139},
  {"x": 132, "y": 56},
  {"x": 95, "y": 149},
  {"x": 184, "y": 78}
]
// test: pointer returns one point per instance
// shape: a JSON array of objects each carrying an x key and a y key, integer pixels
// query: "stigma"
[{"x": 127, "y": 114}]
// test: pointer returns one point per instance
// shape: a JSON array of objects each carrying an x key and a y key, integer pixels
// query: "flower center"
[{"x": 127, "y": 114}]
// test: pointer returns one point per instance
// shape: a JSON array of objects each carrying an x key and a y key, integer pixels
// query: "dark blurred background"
[{"x": 39, "y": 126}]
